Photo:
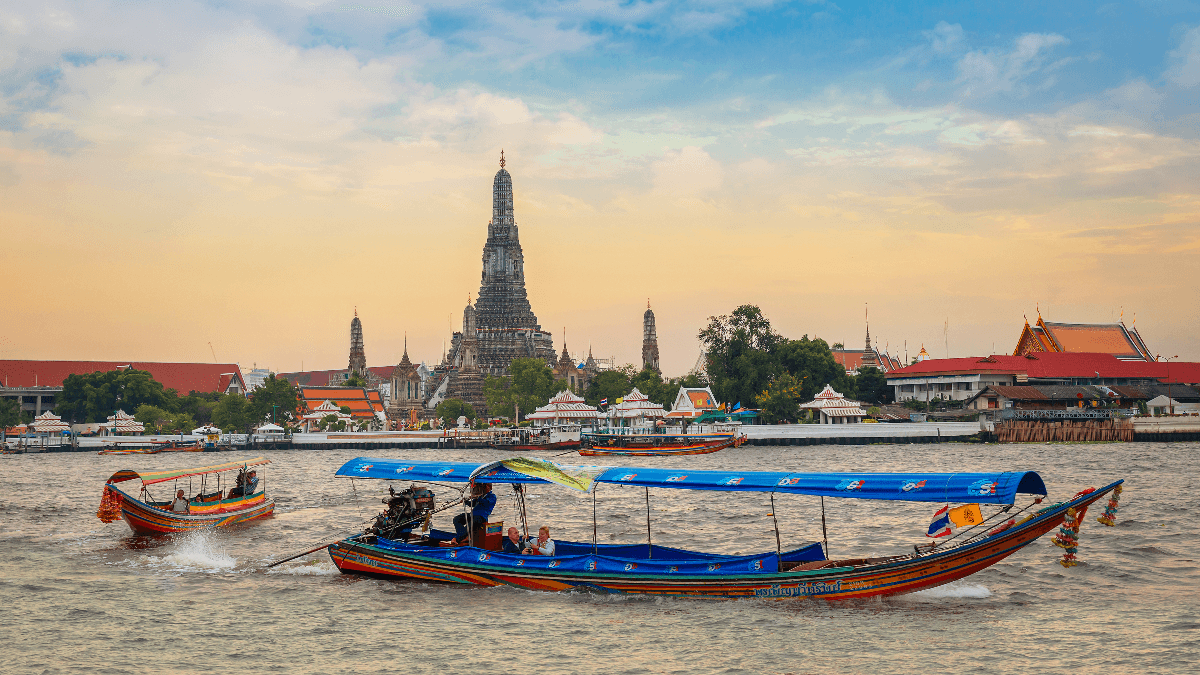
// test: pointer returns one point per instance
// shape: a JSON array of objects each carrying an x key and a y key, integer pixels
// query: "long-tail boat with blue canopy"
[
  {"x": 213, "y": 496},
  {"x": 652, "y": 569}
]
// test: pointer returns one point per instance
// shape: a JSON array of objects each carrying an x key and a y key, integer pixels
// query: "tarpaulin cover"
[
  {"x": 983, "y": 488},
  {"x": 151, "y": 477},
  {"x": 762, "y": 563}
]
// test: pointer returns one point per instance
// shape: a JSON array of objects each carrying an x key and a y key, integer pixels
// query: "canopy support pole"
[
  {"x": 649, "y": 542},
  {"x": 824, "y": 536},
  {"x": 778, "y": 544},
  {"x": 593, "y": 519}
]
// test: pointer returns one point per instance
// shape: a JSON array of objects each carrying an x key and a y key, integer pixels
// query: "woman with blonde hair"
[{"x": 544, "y": 545}]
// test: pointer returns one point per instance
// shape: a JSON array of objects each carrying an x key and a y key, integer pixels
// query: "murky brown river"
[{"x": 81, "y": 596}]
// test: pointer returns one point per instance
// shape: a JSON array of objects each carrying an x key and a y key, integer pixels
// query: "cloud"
[
  {"x": 945, "y": 38},
  {"x": 689, "y": 172},
  {"x": 986, "y": 72},
  {"x": 1185, "y": 61}
]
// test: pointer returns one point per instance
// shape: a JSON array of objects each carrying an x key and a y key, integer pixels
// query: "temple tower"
[
  {"x": 358, "y": 356},
  {"x": 466, "y": 381},
  {"x": 649, "y": 342},
  {"x": 869, "y": 358},
  {"x": 407, "y": 405},
  {"x": 506, "y": 327}
]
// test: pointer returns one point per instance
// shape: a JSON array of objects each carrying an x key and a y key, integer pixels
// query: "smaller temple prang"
[
  {"x": 649, "y": 341},
  {"x": 358, "y": 356}
]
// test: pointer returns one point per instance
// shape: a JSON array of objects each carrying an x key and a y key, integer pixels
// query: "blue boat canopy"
[{"x": 984, "y": 488}]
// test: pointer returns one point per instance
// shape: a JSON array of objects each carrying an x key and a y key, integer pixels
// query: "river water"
[{"x": 80, "y": 596}]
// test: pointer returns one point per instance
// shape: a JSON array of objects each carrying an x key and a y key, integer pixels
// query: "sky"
[{"x": 226, "y": 180}]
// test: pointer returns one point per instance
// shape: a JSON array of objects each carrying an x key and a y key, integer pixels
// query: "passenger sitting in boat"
[
  {"x": 481, "y": 502},
  {"x": 514, "y": 543},
  {"x": 180, "y": 503},
  {"x": 246, "y": 484},
  {"x": 544, "y": 544}
]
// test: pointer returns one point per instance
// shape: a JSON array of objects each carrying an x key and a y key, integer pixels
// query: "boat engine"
[{"x": 406, "y": 509}]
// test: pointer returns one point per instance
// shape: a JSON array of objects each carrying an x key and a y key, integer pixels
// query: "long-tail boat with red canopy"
[
  {"x": 182, "y": 500},
  {"x": 983, "y": 539}
]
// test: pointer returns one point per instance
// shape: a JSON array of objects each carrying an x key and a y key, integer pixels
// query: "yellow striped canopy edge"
[{"x": 150, "y": 477}]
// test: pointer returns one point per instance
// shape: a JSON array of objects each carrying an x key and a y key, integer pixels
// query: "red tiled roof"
[
  {"x": 182, "y": 377},
  {"x": 320, "y": 378},
  {"x": 850, "y": 360},
  {"x": 1055, "y": 365}
]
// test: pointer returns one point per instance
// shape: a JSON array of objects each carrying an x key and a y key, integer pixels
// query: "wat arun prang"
[{"x": 505, "y": 327}]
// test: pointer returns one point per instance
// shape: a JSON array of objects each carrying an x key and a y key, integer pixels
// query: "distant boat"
[
  {"x": 613, "y": 442},
  {"x": 805, "y": 571},
  {"x": 215, "y": 502},
  {"x": 557, "y": 437}
]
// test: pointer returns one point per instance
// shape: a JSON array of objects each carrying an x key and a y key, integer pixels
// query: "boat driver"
[
  {"x": 481, "y": 502},
  {"x": 180, "y": 503}
]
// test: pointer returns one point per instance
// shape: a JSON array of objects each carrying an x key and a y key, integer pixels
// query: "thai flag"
[
  {"x": 603, "y": 401},
  {"x": 941, "y": 525}
]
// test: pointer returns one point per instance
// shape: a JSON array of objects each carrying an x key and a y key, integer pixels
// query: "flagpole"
[{"x": 824, "y": 536}]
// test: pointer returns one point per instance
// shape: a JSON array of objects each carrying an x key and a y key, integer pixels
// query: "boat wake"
[
  {"x": 197, "y": 551},
  {"x": 315, "y": 568},
  {"x": 953, "y": 590}
]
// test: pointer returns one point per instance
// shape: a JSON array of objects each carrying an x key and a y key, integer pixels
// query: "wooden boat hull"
[
  {"x": 667, "y": 450},
  {"x": 530, "y": 447},
  {"x": 145, "y": 519},
  {"x": 844, "y": 580}
]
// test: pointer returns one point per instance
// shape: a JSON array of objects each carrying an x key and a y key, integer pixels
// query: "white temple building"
[
  {"x": 835, "y": 408},
  {"x": 565, "y": 407},
  {"x": 636, "y": 410}
]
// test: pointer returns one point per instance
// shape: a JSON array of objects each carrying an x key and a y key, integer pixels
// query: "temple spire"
[{"x": 501, "y": 158}]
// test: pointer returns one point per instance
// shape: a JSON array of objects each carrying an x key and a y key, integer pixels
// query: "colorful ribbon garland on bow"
[
  {"x": 110, "y": 506},
  {"x": 1110, "y": 511},
  {"x": 1068, "y": 538}
]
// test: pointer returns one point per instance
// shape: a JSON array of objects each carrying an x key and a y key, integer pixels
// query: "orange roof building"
[
  {"x": 1123, "y": 342},
  {"x": 364, "y": 404}
]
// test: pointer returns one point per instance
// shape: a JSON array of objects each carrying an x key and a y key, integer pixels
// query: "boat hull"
[
  {"x": 844, "y": 580},
  {"x": 145, "y": 519},
  {"x": 699, "y": 448},
  {"x": 532, "y": 447}
]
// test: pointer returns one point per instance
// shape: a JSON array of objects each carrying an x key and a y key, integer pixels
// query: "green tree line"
[
  {"x": 749, "y": 363},
  {"x": 93, "y": 397}
]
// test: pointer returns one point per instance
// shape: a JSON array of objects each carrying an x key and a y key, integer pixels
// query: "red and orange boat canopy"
[{"x": 150, "y": 477}]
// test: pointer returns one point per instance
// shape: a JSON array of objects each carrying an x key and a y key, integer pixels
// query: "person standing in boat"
[
  {"x": 481, "y": 502},
  {"x": 544, "y": 544},
  {"x": 180, "y": 503}
]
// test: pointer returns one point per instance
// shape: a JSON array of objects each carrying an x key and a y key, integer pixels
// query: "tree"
[
  {"x": 529, "y": 385},
  {"x": 610, "y": 384},
  {"x": 331, "y": 422},
  {"x": 160, "y": 421},
  {"x": 199, "y": 406},
  {"x": 453, "y": 408},
  {"x": 96, "y": 396},
  {"x": 740, "y": 353},
  {"x": 10, "y": 415},
  {"x": 872, "y": 386},
  {"x": 780, "y": 401},
  {"x": 276, "y": 398},
  {"x": 354, "y": 380},
  {"x": 812, "y": 362},
  {"x": 233, "y": 413}
]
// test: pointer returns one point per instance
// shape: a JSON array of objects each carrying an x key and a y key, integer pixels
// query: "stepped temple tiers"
[
  {"x": 649, "y": 342},
  {"x": 505, "y": 326}
]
